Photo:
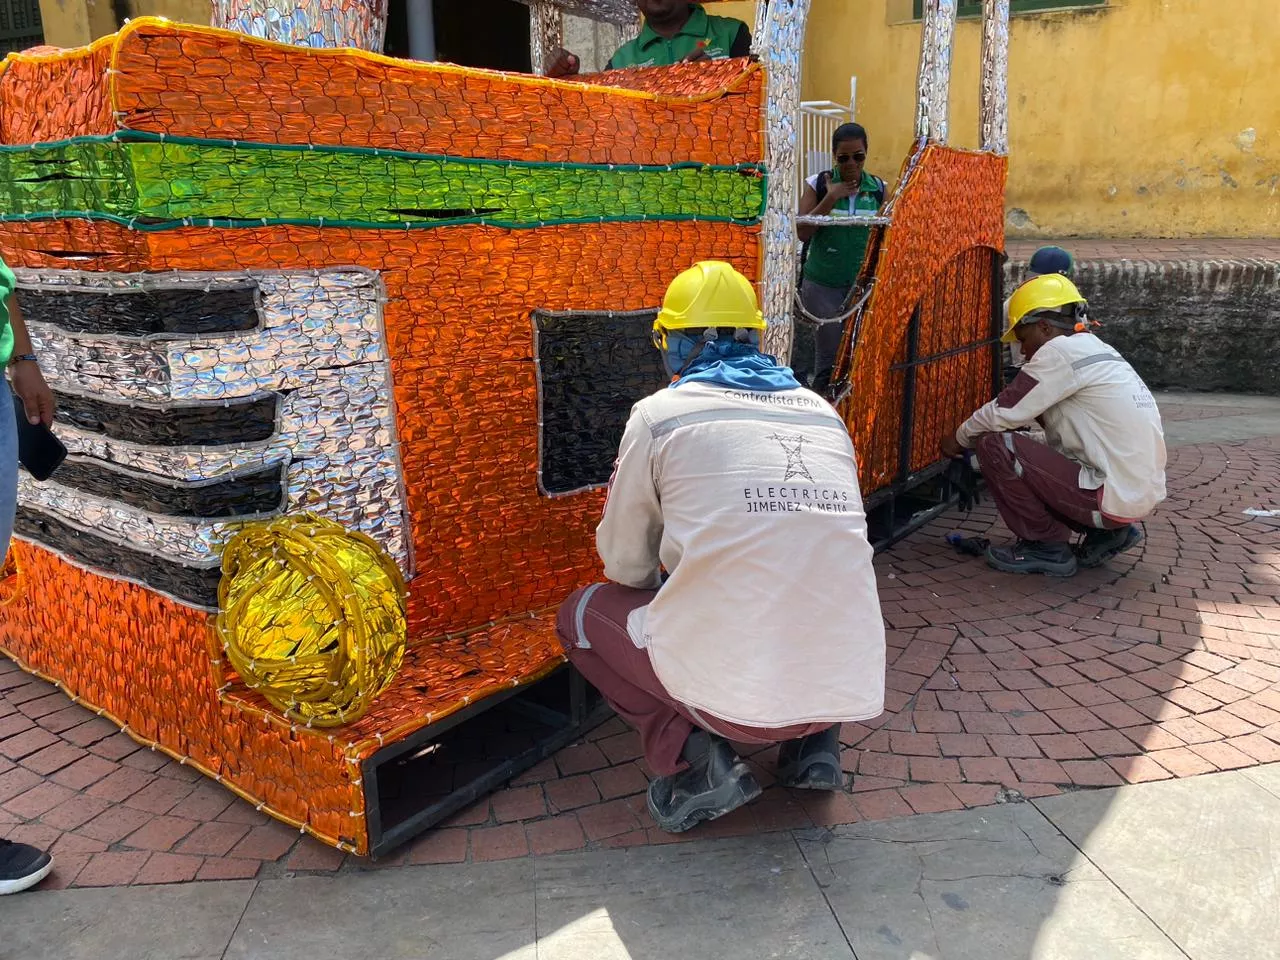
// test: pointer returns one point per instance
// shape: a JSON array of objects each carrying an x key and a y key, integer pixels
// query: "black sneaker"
[
  {"x": 1099, "y": 546},
  {"x": 1034, "y": 556},
  {"x": 21, "y": 866},
  {"x": 812, "y": 762},
  {"x": 716, "y": 783}
]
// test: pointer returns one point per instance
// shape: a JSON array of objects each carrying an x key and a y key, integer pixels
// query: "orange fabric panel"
[{"x": 206, "y": 83}]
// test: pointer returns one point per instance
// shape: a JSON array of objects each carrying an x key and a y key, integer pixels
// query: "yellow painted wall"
[
  {"x": 1141, "y": 118},
  {"x": 73, "y": 23}
]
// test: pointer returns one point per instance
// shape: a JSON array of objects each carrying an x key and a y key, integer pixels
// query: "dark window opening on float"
[{"x": 476, "y": 33}]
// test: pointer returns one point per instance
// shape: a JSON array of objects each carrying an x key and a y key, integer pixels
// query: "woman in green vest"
[{"x": 834, "y": 254}]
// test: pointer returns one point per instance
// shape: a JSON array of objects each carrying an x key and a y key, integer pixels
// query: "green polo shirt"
[
  {"x": 7, "y": 283},
  {"x": 723, "y": 37},
  {"x": 836, "y": 253}
]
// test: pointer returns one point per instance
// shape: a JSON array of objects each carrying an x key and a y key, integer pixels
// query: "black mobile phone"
[{"x": 38, "y": 449}]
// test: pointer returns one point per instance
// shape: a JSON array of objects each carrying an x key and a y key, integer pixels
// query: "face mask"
[{"x": 680, "y": 348}]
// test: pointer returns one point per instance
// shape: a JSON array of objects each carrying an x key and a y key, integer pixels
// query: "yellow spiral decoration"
[{"x": 312, "y": 616}]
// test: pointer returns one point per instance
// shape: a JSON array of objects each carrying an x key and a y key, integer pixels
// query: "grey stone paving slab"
[
  {"x": 751, "y": 898},
  {"x": 1267, "y": 777},
  {"x": 997, "y": 882},
  {"x": 460, "y": 912},
  {"x": 189, "y": 922},
  {"x": 1178, "y": 433},
  {"x": 1201, "y": 857},
  {"x": 1235, "y": 401}
]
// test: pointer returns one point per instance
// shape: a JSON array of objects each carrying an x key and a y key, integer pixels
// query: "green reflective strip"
[{"x": 149, "y": 180}]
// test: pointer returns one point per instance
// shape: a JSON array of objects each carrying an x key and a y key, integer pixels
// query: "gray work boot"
[
  {"x": 1034, "y": 556},
  {"x": 1099, "y": 546},
  {"x": 812, "y": 762},
  {"x": 716, "y": 782}
]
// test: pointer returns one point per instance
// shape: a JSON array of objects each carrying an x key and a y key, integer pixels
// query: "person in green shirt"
[
  {"x": 834, "y": 255},
  {"x": 22, "y": 866},
  {"x": 675, "y": 31}
]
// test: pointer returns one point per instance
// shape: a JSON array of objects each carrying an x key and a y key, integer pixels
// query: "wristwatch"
[{"x": 21, "y": 357}]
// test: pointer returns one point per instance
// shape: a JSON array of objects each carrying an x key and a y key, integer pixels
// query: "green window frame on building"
[
  {"x": 973, "y": 8},
  {"x": 20, "y": 25}
]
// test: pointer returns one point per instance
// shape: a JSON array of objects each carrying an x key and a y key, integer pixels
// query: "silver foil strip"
[
  {"x": 782, "y": 51},
  {"x": 336, "y": 437},
  {"x": 348, "y": 489},
  {"x": 546, "y": 34},
  {"x": 844, "y": 221},
  {"x": 760, "y": 28},
  {"x": 620, "y": 12},
  {"x": 994, "y": 102},
  {"x": 353, "y": 23},
  {"x": 310, "y": 320},
  {"x": 174, "y": 538},
  {"x": 343, "y": 408},
  {"x": 933, "y": 83},
  {"x": 319, "y": 341}
]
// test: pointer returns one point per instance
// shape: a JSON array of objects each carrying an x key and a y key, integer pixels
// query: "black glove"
[{"x": 965, "y": 481}]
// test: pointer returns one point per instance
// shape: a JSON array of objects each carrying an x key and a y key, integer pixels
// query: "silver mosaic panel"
[
  {"x": 310, "y": 320},
  {"x": 760, "y": 28},
  {"x": 546, "y": 34},
  {"x": 783, "y": 48},
  {"x": 621, "y": 12},
  {"x": 994, "y": 102},
  {"x": 933, "y": 87},
  {"x": 320, "y": 339}
]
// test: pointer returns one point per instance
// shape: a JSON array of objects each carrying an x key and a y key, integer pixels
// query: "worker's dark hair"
[{"x": 849, "y": 131}]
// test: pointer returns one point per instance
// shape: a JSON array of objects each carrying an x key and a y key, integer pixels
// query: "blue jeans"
[{"x": 8, "y": 467}]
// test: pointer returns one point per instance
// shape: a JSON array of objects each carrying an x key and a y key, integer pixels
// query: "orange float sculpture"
[{"x": 343, "y": 347}]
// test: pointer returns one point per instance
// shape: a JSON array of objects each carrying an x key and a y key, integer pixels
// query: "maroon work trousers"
[
  {"x": 1037, "y": 490},
  {"x": 592, "y": 625}
]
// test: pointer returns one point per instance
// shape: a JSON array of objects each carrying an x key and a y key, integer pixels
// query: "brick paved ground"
[
  {"x": 1128, "y": 249},
  {"x": 1165, "y": 665}
]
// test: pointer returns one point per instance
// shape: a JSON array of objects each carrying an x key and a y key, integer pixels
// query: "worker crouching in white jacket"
[
  {"x": 1102, "y": 469},
  {"x": 741, "y": 486}
]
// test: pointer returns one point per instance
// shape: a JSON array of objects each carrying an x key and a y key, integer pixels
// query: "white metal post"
[{"x": 422, "y": 29}]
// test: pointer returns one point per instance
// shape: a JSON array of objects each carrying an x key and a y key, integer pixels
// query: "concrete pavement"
[{"x": 1179, "y": 870}]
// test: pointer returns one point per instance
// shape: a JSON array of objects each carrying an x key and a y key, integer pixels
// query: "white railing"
[{"x": 818, "y": 121}]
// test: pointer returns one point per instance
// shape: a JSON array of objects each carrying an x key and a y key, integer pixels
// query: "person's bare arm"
[{"x": 28, "y": 381}]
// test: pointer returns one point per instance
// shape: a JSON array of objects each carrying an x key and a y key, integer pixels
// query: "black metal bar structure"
[
  {"x": 919, "y": 495},
  {"x": 415, "y": 783}
]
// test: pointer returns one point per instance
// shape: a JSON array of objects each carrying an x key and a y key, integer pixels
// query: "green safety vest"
[
  {"x": 720, "y": 35},
  {"x": 7, "y": 283},
  {"x": 836, "y": 253}
]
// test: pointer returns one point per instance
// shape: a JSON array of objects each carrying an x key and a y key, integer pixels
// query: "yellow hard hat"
[
  {"x": 1048, "y": 292},
  {"x": 709, "y": 294}
]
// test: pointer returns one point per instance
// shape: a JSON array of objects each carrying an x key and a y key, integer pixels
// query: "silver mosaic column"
[
  {"x": 933, "y": 91},
  {"x": 782, "y": 50},
  {"x": 994, "y": 104},
  {"x": 546, "y": 34},
  {"x": 760, "y": 27}
]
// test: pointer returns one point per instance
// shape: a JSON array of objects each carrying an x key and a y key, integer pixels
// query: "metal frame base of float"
[
  {"x": 905, "y": 506},
  {"x": 413, "y": 784}
]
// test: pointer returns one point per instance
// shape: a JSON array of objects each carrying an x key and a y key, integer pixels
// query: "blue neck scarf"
[{"x": 733, "y": 364}]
